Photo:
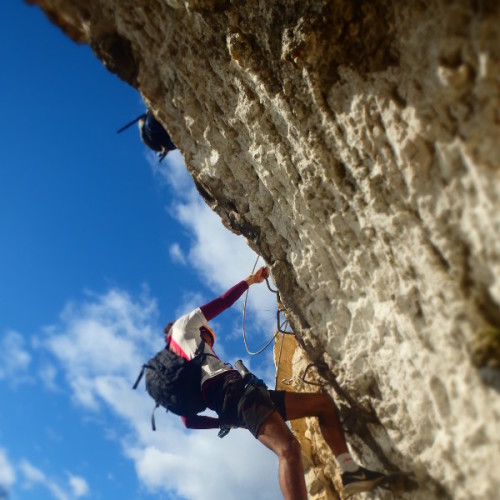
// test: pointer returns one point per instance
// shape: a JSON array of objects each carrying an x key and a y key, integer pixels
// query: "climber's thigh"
[
  {"x": 256, "y": 404},
  {"x": 307, "y": 404},
  {"x": 275, "y": 434}
]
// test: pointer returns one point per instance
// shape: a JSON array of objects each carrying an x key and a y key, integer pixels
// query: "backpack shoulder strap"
[
  {"x": 200, "y": 349},
  {"x": 141, "y": 375},
  {"x": 153, "y": 423}
]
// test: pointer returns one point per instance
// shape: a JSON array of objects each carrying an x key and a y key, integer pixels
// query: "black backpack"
[
  {"x": 155, "y": 136},
  {"x": 174, "y": 382},
  {"x": 152, "y": 134}
]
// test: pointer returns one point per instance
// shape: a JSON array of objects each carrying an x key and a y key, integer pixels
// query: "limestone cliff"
[{"x": 355, "y": 145}]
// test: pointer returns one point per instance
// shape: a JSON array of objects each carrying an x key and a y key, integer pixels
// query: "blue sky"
[{"x": 100, "y": 247}]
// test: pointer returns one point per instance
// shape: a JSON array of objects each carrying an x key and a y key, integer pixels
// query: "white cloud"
[
  {"x": 33, "y": 475},
  {"x": 48, "y": 374},
  {"x": 188, "y": 302},
  {"x": 78, "y": 485},
  {"x": 172, "y": 171},
  {"x": 7, "y": 474},
  {"x": 14, "y": 358},
  {"x": 234, "y": 467},
  {"x": 176, "y": 254},
  {"x": 104, "y": 336},
  {"x": 219, "y": 256}
]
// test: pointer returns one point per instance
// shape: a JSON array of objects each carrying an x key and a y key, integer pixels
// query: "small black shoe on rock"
[{"x": 360, "y": 480}]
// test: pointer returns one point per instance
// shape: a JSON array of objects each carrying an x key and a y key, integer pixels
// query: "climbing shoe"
[{"x": 361, "y": 480}]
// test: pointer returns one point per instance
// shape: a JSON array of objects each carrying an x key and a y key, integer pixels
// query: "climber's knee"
[{"x": 291, "y": 450}]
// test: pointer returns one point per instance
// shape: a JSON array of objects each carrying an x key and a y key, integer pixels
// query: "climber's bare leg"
[
  {"x": 316, "y": 404},
  {"x": 275, "y": 434}
]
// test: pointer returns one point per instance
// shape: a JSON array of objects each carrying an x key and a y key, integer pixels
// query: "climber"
[
  {"x": 247, "y": 403},
  {"x": 153, "y": 134}
]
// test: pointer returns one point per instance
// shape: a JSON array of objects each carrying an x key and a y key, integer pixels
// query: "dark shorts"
[
  {"x": 243, "y": 407},
  {"x": 256, "y": 404}
]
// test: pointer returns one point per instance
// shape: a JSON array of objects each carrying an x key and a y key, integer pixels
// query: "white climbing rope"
[{"x": 255, "y": 353}]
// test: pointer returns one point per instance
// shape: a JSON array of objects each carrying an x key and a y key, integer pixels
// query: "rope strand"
[{"x": 255, "y": 353}]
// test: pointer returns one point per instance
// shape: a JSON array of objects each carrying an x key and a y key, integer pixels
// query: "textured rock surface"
[{"x": 355, "y": 145}]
